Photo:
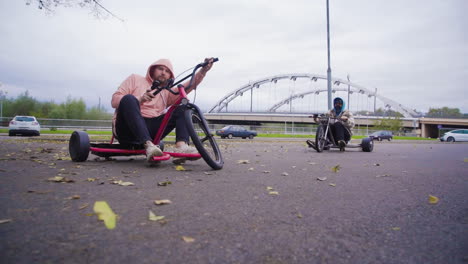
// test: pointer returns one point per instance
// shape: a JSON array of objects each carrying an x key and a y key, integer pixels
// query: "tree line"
[{"x": 72, "y": 108}]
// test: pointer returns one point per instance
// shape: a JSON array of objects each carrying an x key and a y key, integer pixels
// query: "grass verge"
[{"x": 109, "y": 133}]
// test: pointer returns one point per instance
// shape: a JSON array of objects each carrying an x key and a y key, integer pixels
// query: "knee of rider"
[{"x": 128, "y": 98}]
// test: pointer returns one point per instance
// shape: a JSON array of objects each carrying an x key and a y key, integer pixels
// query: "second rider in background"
[{"x": 341, "y": 129}]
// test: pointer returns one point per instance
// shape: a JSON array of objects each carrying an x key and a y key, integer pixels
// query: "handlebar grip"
[{"x": 203, "y": 64}]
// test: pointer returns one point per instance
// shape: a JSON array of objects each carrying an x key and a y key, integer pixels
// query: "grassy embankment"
[{"x": 108, "y": 133}]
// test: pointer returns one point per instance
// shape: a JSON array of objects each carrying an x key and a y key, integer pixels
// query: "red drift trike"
[{"x": 202, "y": 138}]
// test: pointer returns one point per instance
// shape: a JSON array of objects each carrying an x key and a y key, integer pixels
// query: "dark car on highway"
[
  {"x": 235, "y": 131},
  {"x": 380, "y": 135}
]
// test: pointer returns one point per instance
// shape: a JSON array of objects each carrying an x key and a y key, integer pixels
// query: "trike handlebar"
[{"x": 170, "y": 83}]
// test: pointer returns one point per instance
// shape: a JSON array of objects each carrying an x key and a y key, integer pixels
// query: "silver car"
[
  {"x": 24, "y": 125},
  {"x": 455, "y": 135}
]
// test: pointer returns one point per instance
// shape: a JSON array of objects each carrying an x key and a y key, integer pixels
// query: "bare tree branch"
[{"x": 97, "y": 9}]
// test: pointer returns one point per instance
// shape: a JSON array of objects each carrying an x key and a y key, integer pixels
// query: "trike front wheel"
[
  {"x": 320, "y": 139},
  {"x": 203, "y": 140}
]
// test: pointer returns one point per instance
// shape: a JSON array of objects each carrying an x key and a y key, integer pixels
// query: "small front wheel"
[
  {"x": 251, "y": 136},
  {"x": 320, "y": 139},
  {"x": 202, "y": 138},
  {"x": 367, "y": 145},
  {"x": 230, "y": 136},
  {"x": 79, "y": 146}
]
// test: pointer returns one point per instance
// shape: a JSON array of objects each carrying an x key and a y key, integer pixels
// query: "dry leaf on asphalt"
[
  {"x": 105, "y": 213},
  {"x": 433, "y": 199},
  {"x": 465, "y": 160},
  {"x": 273, "y": 193},
  {"x": 208, "y": 173},
  {"x": 83, "y": 206},
  {"x": 336, "y": 168},
  {"x": 3, "y": 221},
  {"x": 91, "y": 179},
  {"x": 332, "y": 184},
  {"x": 122, "y": 183},
  {"x": 154, "y": 217},
  {"x": 164, "y": 183},
  {"x": 74, "y": 197},
  {"x": 243, "y": 161},
  {"x": 284, "y": 174},
  {"x": 188, "y": 239},
  {"x": 266, "y": 171},
  {"x": 161, "y": 202},
  {"x": 269, "y": 188},
  {"x": 251, "y": 169},
  {"x": 383, "y": 175},
  {"x": 39, "y": 192},
  {"x": 396, "y": 228},
  {"x": 60, "y": 179},
  {"x": 322, "y": 178}
]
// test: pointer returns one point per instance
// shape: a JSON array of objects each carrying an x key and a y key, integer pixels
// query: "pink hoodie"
[{"x": 137, "y": 86}]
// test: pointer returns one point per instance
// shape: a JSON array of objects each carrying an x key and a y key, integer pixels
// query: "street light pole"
[
  {"x": 329, "y": 68},
  {"x": 375, "y": 99},
  {"x": 2, "y": 96},
  {"x": 349, "y": 102}
]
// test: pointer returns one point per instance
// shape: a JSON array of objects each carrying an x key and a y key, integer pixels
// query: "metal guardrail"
[{"x": 287, "y": 128}]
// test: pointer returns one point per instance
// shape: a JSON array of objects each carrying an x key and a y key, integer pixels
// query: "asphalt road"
[{"x": 267, "y": 205}]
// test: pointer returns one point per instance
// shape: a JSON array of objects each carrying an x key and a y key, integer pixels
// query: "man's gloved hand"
[{"x": 344, "y": 118}]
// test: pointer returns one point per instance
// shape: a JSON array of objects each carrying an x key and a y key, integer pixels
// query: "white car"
[
  {"x": 455, "y": 135},
  {"x": 24, "y": 125}
]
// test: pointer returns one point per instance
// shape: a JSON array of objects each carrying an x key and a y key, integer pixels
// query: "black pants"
[
  {"x": 340, "y": 132},
  {"x": 134, "y": 129}
]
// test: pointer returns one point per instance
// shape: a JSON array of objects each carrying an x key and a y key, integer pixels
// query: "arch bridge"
[{"x": 222, "y": 105}]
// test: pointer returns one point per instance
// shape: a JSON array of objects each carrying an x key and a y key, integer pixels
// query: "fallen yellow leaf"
[
  {"x": 269, "y": 188},
  {"x": 332, "y": 184},
  {"x": 273, "y": 193},
  {"x": 160, "y": 202},
  {"x": 153, "y": 217},
  {"x": 433, "y": 199},
  {"x": 336, "y": 168},
  {"x": 105, "y": 213},
  {"x": 243, "y": 161},
  {"x": 179, "y": 168},
  {"x": 188, "y": 239},
  {"x": 396, "y": 228}
]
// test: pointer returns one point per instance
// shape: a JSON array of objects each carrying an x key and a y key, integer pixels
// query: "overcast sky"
[{"x": 414, "y": 51}]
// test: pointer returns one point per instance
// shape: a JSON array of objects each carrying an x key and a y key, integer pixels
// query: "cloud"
[{"x": 413, "y": 52}]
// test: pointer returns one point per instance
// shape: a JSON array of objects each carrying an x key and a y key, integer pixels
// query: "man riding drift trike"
[
  {"x": 334, "y": 130},
  {"x": 147, "y": 109}
]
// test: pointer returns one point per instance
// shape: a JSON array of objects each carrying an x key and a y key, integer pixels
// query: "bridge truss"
[{"x": 222, "y": 105}]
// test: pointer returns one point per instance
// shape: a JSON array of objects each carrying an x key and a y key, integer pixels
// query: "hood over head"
[
  {"x": 338, "y": 110},
  {"x": 164, "y": 62}
]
